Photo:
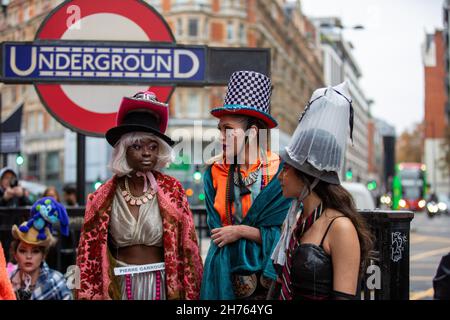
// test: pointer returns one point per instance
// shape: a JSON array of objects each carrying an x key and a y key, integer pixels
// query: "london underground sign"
[
  {"x": 87, "y": 55},
  {"x": 103, "y": 62}
]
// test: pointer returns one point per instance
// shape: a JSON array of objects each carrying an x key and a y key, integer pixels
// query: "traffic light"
[
  {"x": 97, "y": 184},
  {"x": 20, "y": 159},
  {"x": 189, "y": 192},
  {"x": 372, "y": 185},
  {"x": 201, "y": 197},
  {"x": 349, "y": 175},
  {"x": 197, "y": 174}
]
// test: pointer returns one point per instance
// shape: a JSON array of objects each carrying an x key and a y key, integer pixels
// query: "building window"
[
  {"x": 31, "y": 125},
  {"x": 230, "y": 30},
  {"x": 40, "y": 122},
  {"x": 201, "y": 2},
  {"x": 179, "y": 27},
  {"x": 33, "y": 166},
  {"x": 274, "y": 11},
  {"x": 176, "y": 103},
  {"x": 242, "y": 37},
  {"x": 14, "y": 93},
  {"x": 193, "y": 106},
  {"x": 206, "y": 26},
  {"x": 193, "y": 27},
  {"x": 53, "y": 125},
  {"x": 155, "y": 3},
  {"x": 52, "y": 166},
  {"x": 227, "y": 3}
]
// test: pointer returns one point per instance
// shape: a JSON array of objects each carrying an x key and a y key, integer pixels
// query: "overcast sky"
[{"x": 388, "y": 51}]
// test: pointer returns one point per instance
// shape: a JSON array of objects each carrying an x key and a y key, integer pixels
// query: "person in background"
[
  {"x": 52, "y": 192},
  {"x": 11, "y": 193},
  {"x": 33, "y": 279},
  {"x": 70, "y": 195}
]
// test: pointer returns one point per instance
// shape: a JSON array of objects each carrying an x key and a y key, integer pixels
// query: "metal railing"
[{"x": 386, "y": 279}]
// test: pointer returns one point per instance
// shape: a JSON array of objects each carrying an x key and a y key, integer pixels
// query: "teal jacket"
[{"x": 244, "y": 257}]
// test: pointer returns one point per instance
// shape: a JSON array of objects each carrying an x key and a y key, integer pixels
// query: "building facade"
[
  {"x": 296, "y": 71},
  {"x": 384, "y": 150},
  {"x": 446, "y": 40},
  {"x": 339, "y": 65},
  {"x": 436, "y": 122},
  {"x": 279, "y": 25},
  {"x": 42, "y": 142},
  {"x": 296, "y": 62}
]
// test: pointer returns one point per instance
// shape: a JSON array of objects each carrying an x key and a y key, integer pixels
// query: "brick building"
[
  {"x": 435, "y": 121},
  {"x": 296, "y": 65}
]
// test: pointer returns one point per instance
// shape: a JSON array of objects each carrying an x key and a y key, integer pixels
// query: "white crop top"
[{"x": 127, "y": 231}]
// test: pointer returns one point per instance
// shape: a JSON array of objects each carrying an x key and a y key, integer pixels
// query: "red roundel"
[{"x": 72, "y": 114}]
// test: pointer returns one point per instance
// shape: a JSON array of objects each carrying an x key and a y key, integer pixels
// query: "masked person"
[
  {"x": 140, "y": 219},
  {"x": 33, "y": 279},
  {"x": 325, "y": 243},
  {"x": 244, "y": 205}
]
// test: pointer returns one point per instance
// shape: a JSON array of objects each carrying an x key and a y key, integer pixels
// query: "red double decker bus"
[{"x": 411, "y": 182}]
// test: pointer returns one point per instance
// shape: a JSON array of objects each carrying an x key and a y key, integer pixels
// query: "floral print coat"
[{"x": 182, "y": 259}]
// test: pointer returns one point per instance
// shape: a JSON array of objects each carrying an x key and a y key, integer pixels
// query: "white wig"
[{"x": 119, "y": 164}]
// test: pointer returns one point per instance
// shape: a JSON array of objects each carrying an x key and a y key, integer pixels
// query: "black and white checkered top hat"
[{"x": 248, "y": 94}]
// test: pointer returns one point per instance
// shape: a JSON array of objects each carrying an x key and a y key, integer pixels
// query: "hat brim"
[
  {"x": 130, "y": 104},
  {"x": 327, "y": 176},
  {"x": 113, "y": 135},
  {"x": 246, "y": 111},
  {"x": 30, "y": 237}
]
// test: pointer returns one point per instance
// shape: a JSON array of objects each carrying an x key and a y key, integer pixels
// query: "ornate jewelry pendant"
[{"x": 135, "y": 201}]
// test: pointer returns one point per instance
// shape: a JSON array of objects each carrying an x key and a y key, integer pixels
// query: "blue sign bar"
[{"x": 102, "y": 62}]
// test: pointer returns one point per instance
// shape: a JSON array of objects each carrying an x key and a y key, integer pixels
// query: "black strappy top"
[{"x": 312, "y": 271}]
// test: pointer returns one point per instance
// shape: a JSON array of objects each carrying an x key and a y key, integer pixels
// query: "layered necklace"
[
  {"x": 137, "y": 201},
  {"x": 249, "y": 180}
]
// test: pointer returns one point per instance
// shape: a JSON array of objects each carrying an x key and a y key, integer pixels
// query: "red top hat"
[{"x": 141, "y": 113}]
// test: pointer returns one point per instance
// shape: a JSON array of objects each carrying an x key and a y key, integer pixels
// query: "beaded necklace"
[
  {"x": 137, "y": 201},
  {"x": 263, "y": 166}
]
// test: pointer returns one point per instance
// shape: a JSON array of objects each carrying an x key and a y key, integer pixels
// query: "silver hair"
[{"x": 119, "y": 164}]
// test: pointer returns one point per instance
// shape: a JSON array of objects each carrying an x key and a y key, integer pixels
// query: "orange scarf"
[{"x": 219, "y": 174}]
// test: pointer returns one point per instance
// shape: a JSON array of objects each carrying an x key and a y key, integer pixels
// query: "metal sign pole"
[{"x": 81, "y": 168}]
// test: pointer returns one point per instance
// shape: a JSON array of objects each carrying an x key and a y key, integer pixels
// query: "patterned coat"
[
  {"x": 183, "y": 262},
  {"x": 50, "y": 285}
]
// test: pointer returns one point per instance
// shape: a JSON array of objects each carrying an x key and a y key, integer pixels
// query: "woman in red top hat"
[{"x": 138, "y": 241}]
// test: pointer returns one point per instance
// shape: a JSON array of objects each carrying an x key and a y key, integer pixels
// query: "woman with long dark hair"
[{"x": 325, "y": 243}]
